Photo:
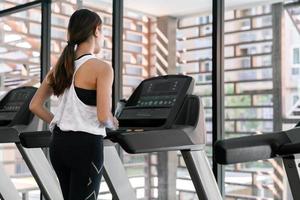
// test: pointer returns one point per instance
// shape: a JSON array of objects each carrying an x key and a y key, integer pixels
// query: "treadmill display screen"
[
  {"x": 161, "y": 93},
  {"x": 14, "y": 101}
]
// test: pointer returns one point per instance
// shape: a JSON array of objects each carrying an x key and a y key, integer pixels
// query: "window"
[
  {"x": 295, "y": 71},
  {"x": 245, "y": 25},
  {"x": 296, "y": 56},
  {"x": 208, "y": 66},
  {"x": 200, "y": 78},
  {"x": 208, "y": 78},
  {"x": 244, "y": 52},
  {"x": 295, "y": 99},
  {"x": 19, "y": 65},
  {"x": 245, "y": 63}
]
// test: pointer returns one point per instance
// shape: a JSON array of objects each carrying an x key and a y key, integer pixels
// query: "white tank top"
[{"x": 72, "y": 114}]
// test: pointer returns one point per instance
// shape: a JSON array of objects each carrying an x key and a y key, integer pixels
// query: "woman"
[{"x": 83, "y": 84}]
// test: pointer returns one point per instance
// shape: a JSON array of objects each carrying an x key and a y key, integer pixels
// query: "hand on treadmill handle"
[{"x": 112, "y": 124}]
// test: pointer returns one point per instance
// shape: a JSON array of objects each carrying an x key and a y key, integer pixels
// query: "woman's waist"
[
  {"x": 57, "y": 132},
  {"x": 75, "y": 139}
]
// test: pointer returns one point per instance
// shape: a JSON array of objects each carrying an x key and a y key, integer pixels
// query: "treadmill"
[
  {"x": 18, "y": 125},
  {"x": 283, "y": 144},
  {"x": 15, "y": 118},
  {"x": 162, "y": 114}
]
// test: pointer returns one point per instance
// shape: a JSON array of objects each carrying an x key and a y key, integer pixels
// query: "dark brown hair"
[{"x": 82, "y": 25}]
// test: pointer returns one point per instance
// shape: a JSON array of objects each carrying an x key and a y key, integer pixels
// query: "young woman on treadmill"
[{"x": 83, "y": 84}]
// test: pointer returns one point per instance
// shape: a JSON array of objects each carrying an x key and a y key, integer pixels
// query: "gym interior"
[{"x": 229, "y": 129}]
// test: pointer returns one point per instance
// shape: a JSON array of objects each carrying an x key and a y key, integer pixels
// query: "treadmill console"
[
  {"x": 154, "y": 101},
  {"x": 162, "y": 114},
  {"x": 15, "y": 103}
]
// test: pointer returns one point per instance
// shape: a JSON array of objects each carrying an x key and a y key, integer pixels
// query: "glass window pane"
[
  {"x": 20, "y": 45},
  {"x": 253, "y": 76},
  {"x": 296, "y": 56},
  {"x": 149, "y": 37},
  {"x": 245, "y": 108}
]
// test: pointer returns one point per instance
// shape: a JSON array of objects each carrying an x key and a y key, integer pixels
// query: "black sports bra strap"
[{"x": 87, "y": 54}]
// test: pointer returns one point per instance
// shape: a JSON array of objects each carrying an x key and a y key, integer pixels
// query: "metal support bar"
[
  {"x": 166, "y": 171},
  {"x": 115, "y": 174},
  {"x": 20, "y": 8},
  {"x": 117, "y": 57},
  {"x": 277, "y": 17},
  {"x": 218, "y": 84},
  {"x": 292, "y": 168},
  {"x": 117, "y": 48},
  {"x": 45, "y": 38},
  {"x": 45, "y": 58},
  {"x": 201, "y": 175},
  {"x": 277, "y": 14}
]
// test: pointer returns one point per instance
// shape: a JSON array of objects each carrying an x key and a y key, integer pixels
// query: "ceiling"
[
  {"x": 182, "y": 7},
  {"x": 185, "y": 7}
]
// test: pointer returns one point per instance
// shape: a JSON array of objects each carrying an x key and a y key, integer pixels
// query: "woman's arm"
[
  {"x": 38, "y": 101},
  {"x": 104, "y": 90}
]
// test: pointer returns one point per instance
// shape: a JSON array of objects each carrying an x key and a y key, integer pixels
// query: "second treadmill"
[{"x": 163, "y": 115}]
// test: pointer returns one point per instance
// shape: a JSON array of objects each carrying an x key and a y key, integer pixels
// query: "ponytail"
[
  {"x": 82, "y": 26},
  {"x": 61, "y": 76}
]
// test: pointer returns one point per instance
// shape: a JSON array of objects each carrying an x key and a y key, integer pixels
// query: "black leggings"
[{"x": 77, "y": 158}]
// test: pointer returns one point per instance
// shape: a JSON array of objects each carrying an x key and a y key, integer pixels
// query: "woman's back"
[
  {"x": 85, "y": 76},
  {"x": 85, "y": 80},
  {"x": 74, "y": 113}
]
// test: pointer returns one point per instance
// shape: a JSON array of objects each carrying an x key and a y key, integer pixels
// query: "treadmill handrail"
[
  {"x": 35, "y": 139},
  {"x": 9, "y": 135},
  {"x": 250, "y": 148}
]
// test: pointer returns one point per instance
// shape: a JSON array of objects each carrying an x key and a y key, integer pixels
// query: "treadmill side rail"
[
  {"x": 201, "y": 174},
  {"x": 115, "y": 175},
  {"x": 8, "y": 190},
  {"x": 42, "y": 171}
]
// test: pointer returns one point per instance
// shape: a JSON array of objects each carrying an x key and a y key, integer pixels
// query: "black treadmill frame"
[{"x": 292, "y": 168}]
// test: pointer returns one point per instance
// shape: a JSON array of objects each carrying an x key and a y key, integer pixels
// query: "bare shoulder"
[{"x": 100, "y": 67}]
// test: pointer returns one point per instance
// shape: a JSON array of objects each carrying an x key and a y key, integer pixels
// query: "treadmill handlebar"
[
  {"x": 35, "y": 139},
  {"x": 258, "y": 147},
  {"x": 8, "y": 135},
  {"x": 249, "y": 148}
]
